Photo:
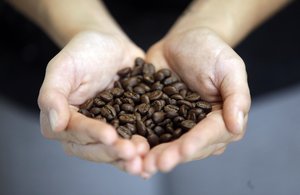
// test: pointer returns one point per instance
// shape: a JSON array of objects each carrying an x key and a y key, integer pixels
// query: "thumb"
[
  {"x": 53, "y": 100},
  {"x": 236, "y": 97}
]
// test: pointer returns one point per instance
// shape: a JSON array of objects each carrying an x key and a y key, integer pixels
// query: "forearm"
[
  {"x": 231, "y": 19},
  {"x": 62, "y": 19}
]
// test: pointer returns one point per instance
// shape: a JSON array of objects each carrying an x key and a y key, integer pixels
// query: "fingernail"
[
  {"x": 53, "y": 119},
  {"x": 240, "y": 121}
]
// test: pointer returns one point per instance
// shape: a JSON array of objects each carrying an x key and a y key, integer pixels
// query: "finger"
[
  {"x": 125, "y": 149},
  {"x": 94, "y": 152},
  {"x": 134, "y": 166},
  {"x": 236, "y": 96},
  {"x": 141, "y": 144},
  {"x": 155, "y": 56}
]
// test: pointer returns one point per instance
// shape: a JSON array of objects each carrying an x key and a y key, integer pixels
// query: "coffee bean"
[
  {"x": 177, "y": 133},
  {"x": 171, "y": 108},
  {"x": 165, "y": 122},
  {"x": 98, "y": 102},
  {"x": 150, "y": 112},
  {"x": 171, "y": 101},
  {"x": 187, "y": 124},
  {"x": 127, "y": 118},
  {"x": 158, "y": 116},
  {"x": 132, "y": 95},
  {"x": 148, "y": 69},
  {"x": 201, "y": 117},
  {"x": 155, "y": 95},
  {"x": 170, "y": 80},
  {"x": 165, "y": 71},
  {"x": 183, "y": 109},
  {"x": 138, "y": 116},
  {"x": 141, "y": 128},
  {"x": 158, "y": 105},
  {"x": 159, "y": 130},
  {"x": 153, "y": 140},
  {"x": 178, "y": 119},
  {"x": 159, "y": 76},
  {"x": 85, "y": 112},
  {"x": 179, "y": 86},
  {"x": 118, "y": 84},
  {"x": 127, "y": 107},
  {"x": 117, "y": 108},
  {"x": 115, "y": 123},
  {"x": 106, "y": 96},
  {"x": 127, "y": 101},
  {"x": 95, "y": 110},
  {"x": 124, "y": 72},
  {"x": 143, "y": 108},
  {"x": 184, "y": 102},
  {"x": 108, "y": 112},
  {"x": 177, "y": 97},
  {"x": 131, "y": 127},
  {"x": 118, "y": 101},
  {"x": 130, "y": 82},
  {"x": 124, "y": 132},
  {"x": 204, "y": 105},
  {"x": 117, "y": 92},
  {"x": 192, "y": 97},
  {"x": 166, "y": 137},
  {"x": 148, "y": 122},
  {"x": 157, "y": 86},
  {"x": 145, "y": 87},
  {"x": 139, "y": 90},
  {"x": 139, "y": 61},
  {"x": 100, "y": 118},
  {"x": 137, "y": 70},
  {"x": 87, "y": 104},
  {"x": 171, "y": 114},
  {"x": 191, "y": 116},
  {"x": 183, "y": 92},
  {"x": 169, "y": 90},
  {"x": 148, "y": 79},
  {"x": 145, "y": 99},
  {"x": 169, "y": 128}
]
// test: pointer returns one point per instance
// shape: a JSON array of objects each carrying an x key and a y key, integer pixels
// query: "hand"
[
  {"x": 87, "y": 65},
  {"x": 210, "y": 67}
]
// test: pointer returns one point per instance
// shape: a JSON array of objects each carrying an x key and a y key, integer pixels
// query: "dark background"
[{"x": 271, "y": 52}]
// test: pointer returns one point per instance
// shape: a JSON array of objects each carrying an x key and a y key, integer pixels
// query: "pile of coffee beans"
[{"x": 150, "y": 103}]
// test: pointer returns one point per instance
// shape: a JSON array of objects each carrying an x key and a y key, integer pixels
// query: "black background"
[{"x": 271, "y": 52}]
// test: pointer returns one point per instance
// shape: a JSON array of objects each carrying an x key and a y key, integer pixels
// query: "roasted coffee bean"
[
  {"x": 155, "y": 95},
  {"x": 145, "y": 87},
  {"x": 130, "y": 82},
  {"x": 138, "y": 116},
  {"x": 145, "y": 99},
  {"x": 143, "y": 108},
  {"x": 124, "y": 132},
  {"x": 197, "y": 111},
  {"x": 159, "y": 130},
  {"x": 165, "y": 122},
  {"x": 132, "y": 95},
  {"x": 183, "y": 92},
  {"x": 153, "y": 140},
  {"x": 184, "y": 102},
  {"x": 179, "y": 86},
  {"x": 148, "y": 122},
  {"x": 127, "y": 107},
  {"x": 177, "y": 133},
  {"x": 127, "y": 101},
  {"x": 158, "y": 117},
  {"x": 118, "y": 101},
  {"x": 117, "y": 92},
  {"x": 148, "y": 79},
  {"x": 171, "y": 114},
  {"x": 204, "y": 105},
  {"x": 139, "y": 90},
  {"x": 169, "y": 90},
  {"x": 85, "y": 112},
  {"x": 178, "y": 119},
  {"x": 187, "y": 124},
  {"x": 106, "y": 96},
  {"x": 149, "y": 131},
  {"x": 165, "y": 71},
  {"x": 171, "y": 101},
  {"x": 118, "y": 84},
  {"x": 117, "y": 108},
  {"x": 191, "y": 116},
  {"x": 148, "y": 69},
  {"x": 115, "y": 123},
  {"x": 137, "y": 70},
  {"x": 171, "y": 108},
  {"x": 139, "y": 61},
  {"x": 124, "y": 72},
  {"x": 87, "y": 104},
  {"x": 192, "y": 97},
  {"x": 170, "y": 80},
  {"x": 151, "y": 126},
  {"x": 150, "y": 112},
  {"x": 157, "y": 86},
  {"x": 201, "y": 117},
  {"x": 95, "y": 110},
  {"x": 122, "y": 112},
  {"x": 183, "y": 110},
  {"x": 165, "y": 97},
  {"x": 159, "y": 76},
  {"x": 98, "y": 102},
  {"x": 158, "y": 105},
  {"x": 141, "y": 128},
  {"x": 100, "y": 118},
  {"x": 169, "y": 128},
  {"x": 127, "y": 118},
  {"x": 177, "y": 97},
  {"x": 131, "y": 127},
  {"x": 108, "y": 112},
  {"x": 166, "y": 137}
]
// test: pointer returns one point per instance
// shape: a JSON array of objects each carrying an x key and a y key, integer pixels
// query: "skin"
[{"x": 198, "y": 48}]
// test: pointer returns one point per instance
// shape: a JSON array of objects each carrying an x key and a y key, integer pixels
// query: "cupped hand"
[
  {"x": 85, "y": 66},
  {"x": 212, "y": 68}
]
